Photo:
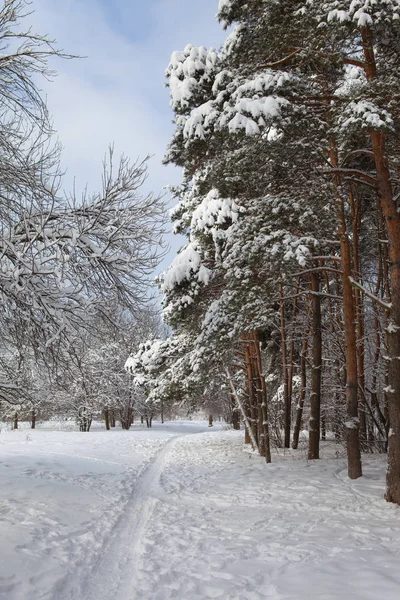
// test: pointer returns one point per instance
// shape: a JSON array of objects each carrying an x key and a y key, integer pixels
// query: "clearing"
[{"x": 183, "y": 513}]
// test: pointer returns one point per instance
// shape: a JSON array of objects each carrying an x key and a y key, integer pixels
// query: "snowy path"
[
  {"x": 164, "y": 515},
  {"x": 123, "y": 552}
]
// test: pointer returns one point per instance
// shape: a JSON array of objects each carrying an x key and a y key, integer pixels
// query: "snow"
[
  {"x": 362, "y": 12},
  {"x": 181, "y": 512},
  {"x": 184, "y": 265},
  {"x": 187, "y": 72},
  {"x": 212, "y": 212},
  {"x": 366, "y": 115}
]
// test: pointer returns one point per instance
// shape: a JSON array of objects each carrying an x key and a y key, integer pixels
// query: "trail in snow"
[{"x": 112, "y": 577}]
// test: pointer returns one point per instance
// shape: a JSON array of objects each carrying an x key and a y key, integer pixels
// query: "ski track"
[{"x": 112, "y": 574}]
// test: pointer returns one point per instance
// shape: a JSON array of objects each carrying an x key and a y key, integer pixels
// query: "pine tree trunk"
[
  {"x": 315, "y": 396},
  {"x": 287, "y": 403},
  {"x": 323, "y": 427},
  {"x": 352, "y": 422},
  {"x": 235, "y": 414},
  {"x": 355, "y": 205},
  {"x": 264, "y": 402},
  {"x": 252, "y": 395},
  {"x": 249, "y": 430},
  {"x": 247, "y": 439},
  {"x": 107, "y": 418},
  {"x": 303, "y": 388}
]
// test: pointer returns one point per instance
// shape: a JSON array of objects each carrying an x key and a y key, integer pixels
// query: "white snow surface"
[{"x": 181, "y": 512}]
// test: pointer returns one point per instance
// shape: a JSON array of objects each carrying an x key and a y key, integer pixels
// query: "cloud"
[{"x": 116, "y": 94}]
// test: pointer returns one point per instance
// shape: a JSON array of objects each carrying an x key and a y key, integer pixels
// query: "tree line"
[{"x": 285, "y": 300}]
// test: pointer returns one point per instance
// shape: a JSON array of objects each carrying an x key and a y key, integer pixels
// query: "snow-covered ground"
[{"x": 182, "y": 513}]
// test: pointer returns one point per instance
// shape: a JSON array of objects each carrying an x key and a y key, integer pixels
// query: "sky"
[{"x": 116, "y": 94}]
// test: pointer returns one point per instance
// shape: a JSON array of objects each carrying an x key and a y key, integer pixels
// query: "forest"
[{"x": 285, "y": 301}]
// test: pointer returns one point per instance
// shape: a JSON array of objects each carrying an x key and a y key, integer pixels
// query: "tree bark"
[
  {"x": 355, "y": 206},
  {"x": 235, "y": 414},
  {"x": 107, "y": 418},
  {"x": 352, "y": 422},
  {"x": 315, "y": 396},
  {"x": 287, "y": 402},
  {"x": 251, "y": 393},
  {"x": 302, "y": 396},
  {"x": 242, "y": 410},
  {"x": 33, "y": 419},
  {"x": 323, "y": 426},
  {"x": 264, "y": 401}
]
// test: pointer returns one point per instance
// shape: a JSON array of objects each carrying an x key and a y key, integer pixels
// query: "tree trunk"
[
  {"x": 15, "y": 421},
  {"x": 107, "y": 418},
  {"x": 352, "y": 422},
  {"x": 247, "y": 439},
  {"x": 323, "y": 427},
  {"x": 235, "y": 415},
  {"x": 33, "y": 419},
  {"x": 355, "y": 206},
  {"x": 315, "y": 396},
  {"x": 287, "y": 400},
  {"x": 249, "y": 429},
  {"x": 303, "y": 389},
  {"x": 210, "y": 421},
  {"x": 251, "y": 393},
  {"x": 264, "y": 401}
]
